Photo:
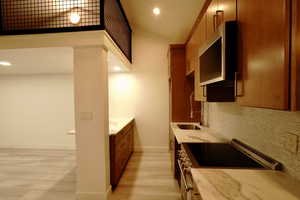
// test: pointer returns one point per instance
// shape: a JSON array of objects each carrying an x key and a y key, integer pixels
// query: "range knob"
[
  {"x": 187, "y": 164},
  {"x": 183, "y": 159},
  {"x": 187, "y": 170}
]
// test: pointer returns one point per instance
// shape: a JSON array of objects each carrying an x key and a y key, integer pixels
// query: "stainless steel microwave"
[{"x": 218, "y": 59}]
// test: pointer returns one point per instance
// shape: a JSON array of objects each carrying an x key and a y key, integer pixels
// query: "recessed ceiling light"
[
  {"x": 5, "y": 63},
  {"x": 117, "y": 68},
  {"x": 74, "y": 18},
  {"x": 156, "y": 11}
]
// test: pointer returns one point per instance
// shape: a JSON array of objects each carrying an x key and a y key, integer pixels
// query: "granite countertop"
[
  {"x": 244, "y": 184},
  {"x": 117, "y": 124},
  {"x": 194, "y": 136},
  {"x": 236, "y": 184}
]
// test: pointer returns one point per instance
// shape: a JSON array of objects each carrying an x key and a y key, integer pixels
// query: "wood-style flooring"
[
  {"x": 148, "y": 176},
  {"x": 37, "y": 174},
  {"x": 50, "y": 175}
]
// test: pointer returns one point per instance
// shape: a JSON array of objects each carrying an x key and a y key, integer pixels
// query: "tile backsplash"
[{"x": 275, "y": 133}]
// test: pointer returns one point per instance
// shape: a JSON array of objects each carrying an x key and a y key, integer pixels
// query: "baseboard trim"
[
  {"x": 46, "y": 147},
  {"x": 94, "y": 195},
  {"x": 151, "y": 149}
]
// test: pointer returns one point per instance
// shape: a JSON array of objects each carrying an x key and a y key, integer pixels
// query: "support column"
[{"x": 91, "y": 118}]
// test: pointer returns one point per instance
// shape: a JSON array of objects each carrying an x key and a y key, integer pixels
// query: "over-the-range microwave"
[{"x": 218, "y": 59}]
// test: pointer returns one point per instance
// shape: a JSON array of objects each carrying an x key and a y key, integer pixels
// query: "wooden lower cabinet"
[{"x": 121, "y": 148}]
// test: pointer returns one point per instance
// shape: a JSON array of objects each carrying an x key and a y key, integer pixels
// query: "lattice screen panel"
[
  {"x": 43, "y": 16},
  {"x": 48, "y": 14},
  {"x": 117, "y": 26}
]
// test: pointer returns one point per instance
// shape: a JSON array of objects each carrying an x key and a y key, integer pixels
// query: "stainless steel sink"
[{"x": 188, "y": 127}]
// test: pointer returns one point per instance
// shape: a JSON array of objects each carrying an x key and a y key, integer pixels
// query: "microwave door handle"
[
  {"x": 236, "y": 93},
  {"x": 204, "y": 91}
]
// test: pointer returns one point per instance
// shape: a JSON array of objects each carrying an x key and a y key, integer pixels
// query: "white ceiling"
[
  {"x": 175, "y": 21},
  {"x": 37, "y": 61}
]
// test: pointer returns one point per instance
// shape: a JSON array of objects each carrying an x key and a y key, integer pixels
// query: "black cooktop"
[{"x": 220, "y": 155}]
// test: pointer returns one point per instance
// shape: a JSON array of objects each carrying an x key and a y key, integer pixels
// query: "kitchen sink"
[{"x": 188, "y": 127}]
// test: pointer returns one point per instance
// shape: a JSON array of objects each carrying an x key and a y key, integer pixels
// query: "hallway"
[
  {"x": 148, "y": 176},
  {"x": 50, "y": 175}
]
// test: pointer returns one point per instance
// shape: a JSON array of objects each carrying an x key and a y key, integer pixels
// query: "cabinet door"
[
  {"x": 190, "y": 49},
  {"x": 212, "y": 18},
  {"x": 201, "y": 32},
  {"x": 295, "y": 57},
  {"x": 226, "y": 11},
  {"x": 197, "y": 41},
  {"x": 264, "y": 53}
]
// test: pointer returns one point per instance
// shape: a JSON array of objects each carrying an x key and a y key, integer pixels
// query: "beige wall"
[
  {"x": 122, "y": 101},
  {"x": 37, "y": 111},
  {"x": 276, "y": 133},
  {"x": 91, "y": 119},
  {"x": 144, "y": 92}
]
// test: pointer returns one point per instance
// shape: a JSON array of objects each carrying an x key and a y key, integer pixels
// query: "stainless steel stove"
[{"x": 233, "y": 155}]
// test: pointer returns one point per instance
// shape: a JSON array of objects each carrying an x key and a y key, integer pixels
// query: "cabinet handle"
[
  {"x": 220, "y": 13},
  {"x": 236, "y": 74},
  {"x": 215, "y": 22},
  {"x": 204, "y": 91}
]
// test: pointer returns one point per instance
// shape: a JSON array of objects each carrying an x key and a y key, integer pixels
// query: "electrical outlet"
[{"x": 289, "y": 142}]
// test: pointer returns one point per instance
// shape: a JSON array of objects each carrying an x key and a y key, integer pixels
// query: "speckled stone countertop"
[
  {"x": 117, "y": 124},
  {"x": 241, "y": 184},
  {"x": 194, "y": 136}
]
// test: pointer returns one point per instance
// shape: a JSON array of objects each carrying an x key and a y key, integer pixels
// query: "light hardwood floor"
[
  {"x": 50, "y": 175},
  {"x": 37, "y": 174},
  {"x": 148, "y": 176}
]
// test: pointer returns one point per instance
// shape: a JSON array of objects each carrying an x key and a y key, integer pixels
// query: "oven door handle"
[{"x": 187, "y": 188}]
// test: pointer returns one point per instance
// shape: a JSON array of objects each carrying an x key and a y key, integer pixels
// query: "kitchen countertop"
[
  {"x": 117, "y": 124},
  {"x": 236, "y": 184},
  {"x": 194, "y": 136},
  {"x": 244, "y": 184}
]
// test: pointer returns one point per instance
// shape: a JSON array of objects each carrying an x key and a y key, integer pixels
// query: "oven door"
[{"x": 186, "y": 185}]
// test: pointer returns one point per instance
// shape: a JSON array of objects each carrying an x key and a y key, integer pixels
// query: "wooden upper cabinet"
[
  {"x": 295, "y": 57},
  {"x": 226, "y": 11},
  {"x": 201, "y": 33},
  {"x": 268, "y": 51},
  {"x": 264, "y": 53},
  {"x": 197, "y": 40},
  {"x": 181, "y": 87},
  {"x": 218, "y": 12},
  {"x": 190, "y": 48},
  {"x": 212, "y": 18}
]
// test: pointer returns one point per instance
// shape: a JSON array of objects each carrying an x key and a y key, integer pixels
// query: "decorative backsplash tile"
[{"x": 275, "y": 133}]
